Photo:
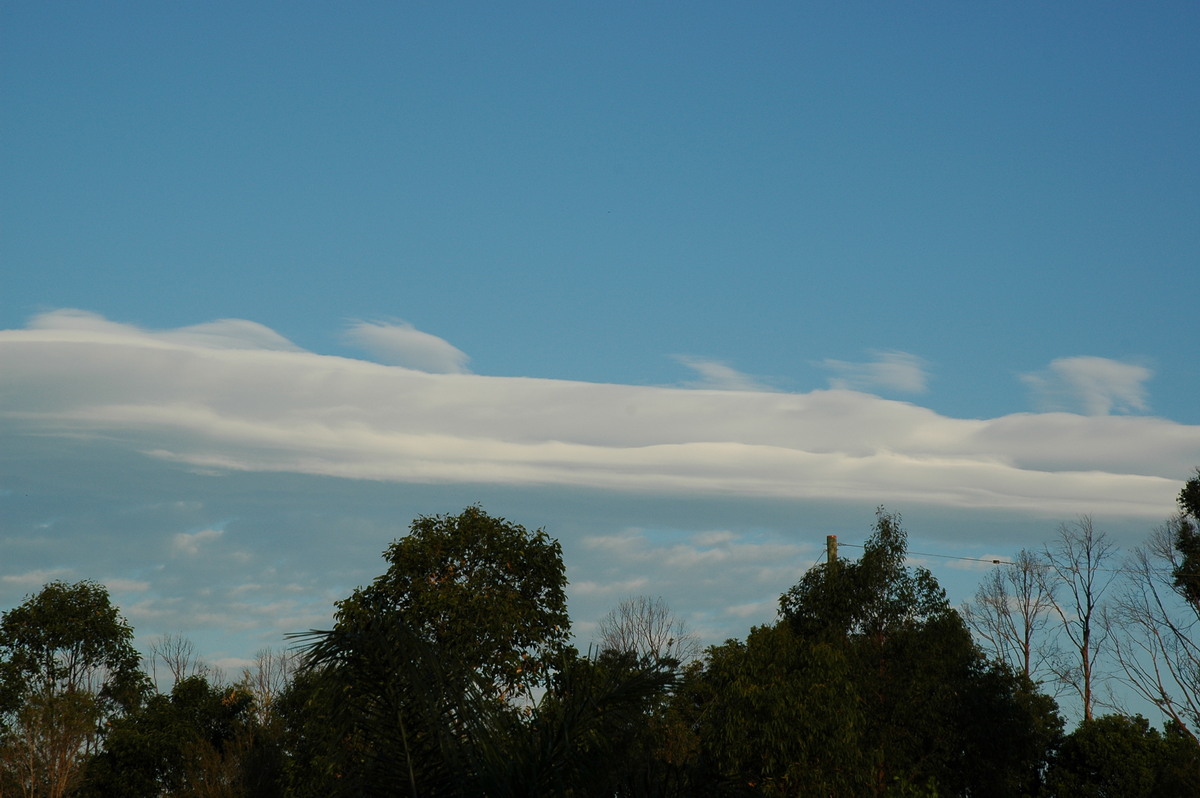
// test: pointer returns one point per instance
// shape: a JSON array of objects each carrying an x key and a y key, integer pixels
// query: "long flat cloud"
[{"x": 234, "y": 396}]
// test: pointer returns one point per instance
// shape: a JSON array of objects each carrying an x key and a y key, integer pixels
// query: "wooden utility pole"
[{"x": 831, "y": 549}]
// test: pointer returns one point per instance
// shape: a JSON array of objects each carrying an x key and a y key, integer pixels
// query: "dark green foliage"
[
  {"x": 592, "y": 734},
  {"x": 1118, "y": 756},
  {"x": 412, "y": 691},
  {"x": 198, "y": 731},
  {"x": 488, "y": 595},
  {"x": 1179, "y": 776},
  {"x": 1010, "y": 731},
  {"x": 67, "y": 638},
  {"x": 67, "y": 670},
  {"x": 870, "y": 599},
  {"x": 870, "y": 685},
  {"x": 373, "y": 712},
  {"x": 780, "y": 717},
  {"x": 1186, "y": 573}
]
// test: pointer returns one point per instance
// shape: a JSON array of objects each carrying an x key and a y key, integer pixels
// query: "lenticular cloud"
[
  {"x": 234, "y": 396},
  {"x": 1097, "y": 385},
  {"x": 402, "y": 344}
]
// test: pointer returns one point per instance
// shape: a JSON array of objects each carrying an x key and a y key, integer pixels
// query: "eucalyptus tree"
[
  {"x": 469, "y": 615},
  {"x": 1157, "y": 617},
  {"x": 1012, "y": 611},
  {"x": 1079, "y": 572},
  {"x": 1122, "y": 755},
  {"x": 488, "y": 595},
  {"x": 67, "y": 668},
  {"x": 202, "y": 738},
  {"x": 870, "y": 684}
]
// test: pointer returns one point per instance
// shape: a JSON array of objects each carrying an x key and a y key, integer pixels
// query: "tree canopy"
[
  {"x": 1186, "y": 572},
  {"x": 67, "y": 666},
  {"x": 868, "y": 685},
  {"x": 488, "y": 595}
]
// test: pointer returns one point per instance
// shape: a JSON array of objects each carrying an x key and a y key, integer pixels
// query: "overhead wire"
[
  {"x": 989, "y": 560},
  {"x": 993, "y": 561}
]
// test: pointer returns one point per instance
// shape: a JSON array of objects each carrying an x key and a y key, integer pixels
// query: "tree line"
[{"x": 453, "y": 673}]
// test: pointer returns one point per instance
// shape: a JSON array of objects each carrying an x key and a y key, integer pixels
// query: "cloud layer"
[{"x": 233, "y": 396}]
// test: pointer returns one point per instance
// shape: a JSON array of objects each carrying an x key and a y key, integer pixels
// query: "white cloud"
[
  {"x": 189, "y": 543},
  {"x": 610, "y": 589},
  {"x": 219, "y": 334},
  {"x": 120, "y": 585},
  {"x": 755, "y": 609},
  {"x": 715, "y": 375},
  {"x": 35, "y": 579},
  {"x": 894, "y": 371},
  {"x": 275, "y": 410},
  {"x": 1096, "y": 386},
  {"x": 401, "y": 344}
]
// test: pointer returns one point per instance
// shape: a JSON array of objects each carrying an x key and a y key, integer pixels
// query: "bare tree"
[
  {"x": 177, "y": 656},
  {"x": 647, "y": 627},
  {"x": 1156, "y": 624},
  {"x": 1078, "y": 576},
  {"x": 268, "y": 678},
  {"x": 1012, "y": 608}
]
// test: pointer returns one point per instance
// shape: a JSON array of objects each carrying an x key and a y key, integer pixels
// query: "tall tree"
[
  {"x": 67, "y": 667},
  {"x": 1157, "y": 617},
  {"x": 487, "y": 594},
  {"x": 1079, "y": 573},
  {"x": 1011, "y": 610},
  {"x": 471, "y": 609},
  {"x": 871, "y": 685}
]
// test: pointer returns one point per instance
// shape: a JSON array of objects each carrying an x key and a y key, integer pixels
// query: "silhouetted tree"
[
  {"x": 1011, "y": 611},
  {"x": 1156, "y": 619},
  {"x": 870, "y": 684},
  {"x": 1121, "y": 755},
  {"x": 1079, "y": 573},
  {"x": 646, "y": 626}
]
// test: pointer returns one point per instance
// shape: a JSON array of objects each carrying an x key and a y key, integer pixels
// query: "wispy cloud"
[
  {"x": 35, "y": 579},
  {"x": 189, "y": 543},
  {"x": 889, "y": 371},
  {"x": 401, "y": 344},
  {"x": 219, "y": 334},
  {"x": 715, "y": 375},
  {"x": 1093, "y": 385},
  {"x": 119, "y": 585}
]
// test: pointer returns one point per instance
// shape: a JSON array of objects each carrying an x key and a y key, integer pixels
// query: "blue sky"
[{"x": 688, "y": 285}]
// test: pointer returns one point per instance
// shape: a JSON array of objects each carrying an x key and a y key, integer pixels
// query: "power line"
[
  {"x": 992, "y": 561},
  {"x": 988, "y": 560}
]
